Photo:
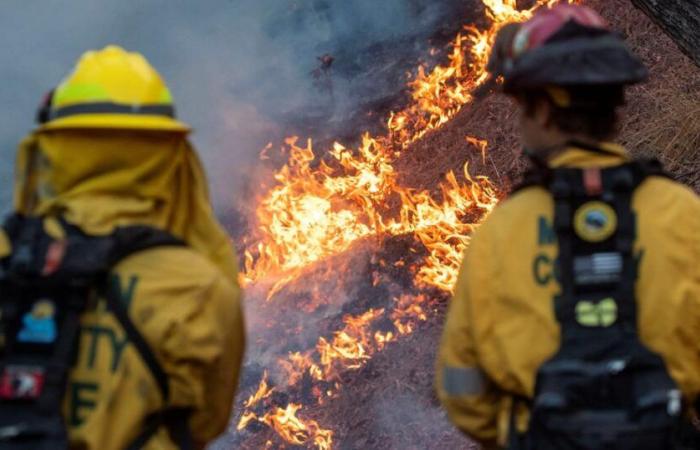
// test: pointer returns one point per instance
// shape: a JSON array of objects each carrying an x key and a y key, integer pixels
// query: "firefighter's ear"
[{"x": 543, "y": 112}]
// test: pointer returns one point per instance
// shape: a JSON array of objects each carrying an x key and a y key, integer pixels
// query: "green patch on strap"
[{"x": 601, "y": 314}]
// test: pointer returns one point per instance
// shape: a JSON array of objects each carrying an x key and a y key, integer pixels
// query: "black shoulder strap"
[
  {"x": 177, "y": 423},
  {"x": 134, "y": 239},
  {"x": 618, "y": 185},
  {"x": 77, "y": 265},
  {"x": 128, "y": 241},
  {"x": 135, "y": 337},
  {"x": 562, "y": 190},
  {"x": 623, "y": 185},
  {"x": 534, "y": 176}
]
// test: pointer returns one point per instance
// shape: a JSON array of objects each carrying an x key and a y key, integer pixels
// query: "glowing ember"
[{"x": 318, "y": 209}]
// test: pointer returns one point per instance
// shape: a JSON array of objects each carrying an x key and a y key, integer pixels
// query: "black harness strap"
[
  {"x": 149, "y": 428},
  {"x": 177, "y": 423},
  {"x": 64, "y": 355},
  {"x": 561, "y": 191},
  {"x": 601, "y": 366},
  {"x": 623, "y": 185},
  {"x": 540, "y": 174},
  {"x": 136, "y": 338},
  {"x": 70, "y": 272},
  {"x": 129, "y": 241}
]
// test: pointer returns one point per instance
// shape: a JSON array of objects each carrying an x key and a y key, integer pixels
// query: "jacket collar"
[{"x": 576, "y": 156}]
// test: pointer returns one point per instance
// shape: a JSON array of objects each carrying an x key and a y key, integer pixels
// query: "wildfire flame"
[
  {"x": 318, "y": 209},
  {"x": 264, "y": 391},
  {"x": 291, "y": 428}
]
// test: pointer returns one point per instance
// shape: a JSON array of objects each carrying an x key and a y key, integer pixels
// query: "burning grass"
[
  {"x": 320, "y": 209},
  {"x": 350, "y": 268}
]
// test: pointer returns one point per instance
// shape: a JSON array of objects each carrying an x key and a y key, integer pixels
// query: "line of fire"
[{"x": 344, "y": 259}]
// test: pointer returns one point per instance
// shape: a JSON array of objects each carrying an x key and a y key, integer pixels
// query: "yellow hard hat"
[{"x": 113, "y": 88}]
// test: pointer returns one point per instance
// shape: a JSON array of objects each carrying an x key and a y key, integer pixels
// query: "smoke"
[
  {"x": 243, "y": 72},
  {"x": 404, "y": 418}
]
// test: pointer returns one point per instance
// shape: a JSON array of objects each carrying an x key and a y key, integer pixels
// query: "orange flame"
[
  {"x": 293, "y": 429},
  {"x": 319, "y": 208},
  {"x": 264, "y": 391}
]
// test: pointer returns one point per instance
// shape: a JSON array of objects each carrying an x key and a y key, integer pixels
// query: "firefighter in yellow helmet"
[
  {"x": 110, "y": 172},
  {"x": 576, "y": 316}
]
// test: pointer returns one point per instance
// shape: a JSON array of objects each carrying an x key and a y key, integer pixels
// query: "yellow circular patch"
[{"x": 595, "y": 221}]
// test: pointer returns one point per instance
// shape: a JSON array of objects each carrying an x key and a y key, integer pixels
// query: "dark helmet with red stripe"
[{"x": 564, "y": 46}]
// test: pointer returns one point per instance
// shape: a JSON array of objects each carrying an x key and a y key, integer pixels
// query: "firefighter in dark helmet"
[
  {"x": 114, "y": 236},
  {"x": 575, "y": 322}
]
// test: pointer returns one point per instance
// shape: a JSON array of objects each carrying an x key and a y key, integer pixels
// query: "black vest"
[
  {"x": 603, "y": 389},
  {"x": 45, "y": 286}
]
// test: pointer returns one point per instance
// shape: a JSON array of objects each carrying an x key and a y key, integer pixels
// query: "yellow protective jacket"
[
  {"x": 185, "y": 301},
  {"x": 501, "y": 326}
]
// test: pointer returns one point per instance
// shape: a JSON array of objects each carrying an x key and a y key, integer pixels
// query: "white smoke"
[{"x": 241, "y": 71}]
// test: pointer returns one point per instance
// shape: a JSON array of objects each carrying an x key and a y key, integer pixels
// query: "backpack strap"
[
  {"x": 623, "y": 186},
  {"x": 177, "y": 423},
  {"x": 117, "y": 308},
  {"x": 79, "y": 266},
  {"x": 128, "y": 241},
  {"x": 561, "y": 189},
  {"x": 570, "y": 188}
]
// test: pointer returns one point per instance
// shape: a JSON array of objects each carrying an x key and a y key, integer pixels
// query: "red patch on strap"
[
  {"x": 21, "y": 382},
  {"x": 593, "y": 181},
  {"x": 54, "y": 257}
]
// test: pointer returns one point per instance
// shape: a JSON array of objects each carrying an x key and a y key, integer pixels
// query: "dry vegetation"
[
  {"x": 390, "y": 403},
  {"x": 661, "y": 119}
]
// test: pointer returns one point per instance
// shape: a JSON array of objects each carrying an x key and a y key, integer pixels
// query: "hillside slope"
[{"x": 390, "y": 404}]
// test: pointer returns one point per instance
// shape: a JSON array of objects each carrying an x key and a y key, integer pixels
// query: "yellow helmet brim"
[{"x": 117, "y": 121}]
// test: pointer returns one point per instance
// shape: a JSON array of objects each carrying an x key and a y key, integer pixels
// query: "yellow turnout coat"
[
  {"x": 501, "y": 326},
  {"x": 185, "y": 301}
]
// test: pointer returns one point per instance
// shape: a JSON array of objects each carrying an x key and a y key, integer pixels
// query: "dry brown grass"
[
  {"x": 390, "y": 403},
  {"x": 662, "y": 118},
  {"x": 673, "y": 136}
]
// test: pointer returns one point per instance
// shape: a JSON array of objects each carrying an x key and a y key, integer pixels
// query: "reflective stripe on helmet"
[
  {"x": 113, "y": 108},
  {"x": 459, "y": 381},
  {"x": 112, "y": 88}
]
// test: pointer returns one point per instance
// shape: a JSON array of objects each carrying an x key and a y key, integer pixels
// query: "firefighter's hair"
[{"x": 591, "y": 111}]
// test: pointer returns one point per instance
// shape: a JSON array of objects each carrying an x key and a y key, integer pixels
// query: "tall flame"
[{"x": 319, "y": 208}]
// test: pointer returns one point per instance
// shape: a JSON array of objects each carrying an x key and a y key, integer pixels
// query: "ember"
[{"x": 320, "y": 208}]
